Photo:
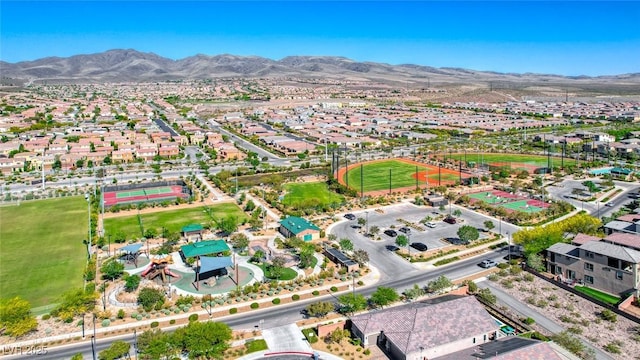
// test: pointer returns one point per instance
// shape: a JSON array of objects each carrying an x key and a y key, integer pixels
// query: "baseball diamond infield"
[{"x": 379, "y": 176}]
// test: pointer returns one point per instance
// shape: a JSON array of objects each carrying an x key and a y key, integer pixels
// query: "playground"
[
  {"x": 510, "y": 201},
  {"x": 142, "y": 193},
  {"x": 516, "y": 162},
  {"x": 396, "y": 174},
  {"x": 42, "y": 251}
]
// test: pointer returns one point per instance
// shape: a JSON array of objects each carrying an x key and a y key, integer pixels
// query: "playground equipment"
[{"x": 159, "y": 266}]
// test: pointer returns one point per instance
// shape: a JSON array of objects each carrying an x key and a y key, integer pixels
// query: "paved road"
[
  {"x": 563, "y": 191},
  {"x": 525, "y": 311}
]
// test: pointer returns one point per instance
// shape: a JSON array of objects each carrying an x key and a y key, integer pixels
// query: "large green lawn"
[
  {"x": 301, "y": 195},
  {"x": 376, "y": 175},
  {"x": 41, "y": 249},
  {"x": 172, "y": 220},
  {"x": 488, "y": 158}
]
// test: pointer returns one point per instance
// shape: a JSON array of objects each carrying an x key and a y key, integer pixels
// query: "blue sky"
[{"x": 568, "y": 38}]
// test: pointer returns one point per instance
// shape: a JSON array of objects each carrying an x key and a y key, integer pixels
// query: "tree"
[
  {"x": 277, "y": 266},
  {"x": 402, "y": 241},
  {"x": 535, "y": 262},
  {"x": 319, "y": 309},
  {"x": 439, "y": 284},
  {"x": 346, "y": 244},
  {"x": 258, "y": 255},
  {"x": 489, "y": 225},
  {"x": 362, "y": 221},
  {"x": 204, "y": 340},
  {"x": 227, "y": 225},
  {"x": 250, "y": 206},
  {"x": 337, "y": 335},
  {"x": 306, "y": 255},
  {"x": 384, "y": 296},
  {"x": 351, "y": 303},
  {"x": 74, "y": 302},
  {"x": 361, "y": 257},
  {"x": 131, "y": 283},
  {"x": 457, "y": 212},
  {"x": 111, "y": 269},
  {"x": 486, "y": 295},
  {"x": 150, "y": 298},
  {"x": 239, "y": 241},
  {"x": 16, "y": 317},
  {"x": 117, "y": 350},
  {"x": 468, "y": 233},
  {"x": 77, "y": 356},
  {"x": 413, "y": 293},
  {"x": 156, "y": 344}
]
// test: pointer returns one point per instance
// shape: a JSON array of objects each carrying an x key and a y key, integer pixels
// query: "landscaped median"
[
  {"x": 454, "y": 253},
  {"x": 198, "y": 311}
]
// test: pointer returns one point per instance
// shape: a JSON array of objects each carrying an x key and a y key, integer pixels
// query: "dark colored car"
[
  {"x": 350, "y": 216},
  {"x": 456, "y": 241},
  {"x": 405, "y": 230},
  {"x": 450, "y": 220},
  {"x": 390, "y": 232},
  {"x": 392, "y": 248},
  {"x": 419, "y": 246}
]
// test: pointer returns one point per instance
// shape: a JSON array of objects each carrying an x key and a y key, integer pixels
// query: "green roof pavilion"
[{"x": 204, "y": 248}]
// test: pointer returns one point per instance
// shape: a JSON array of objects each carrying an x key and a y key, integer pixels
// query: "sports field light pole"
[{"x": 87, "y": 197}]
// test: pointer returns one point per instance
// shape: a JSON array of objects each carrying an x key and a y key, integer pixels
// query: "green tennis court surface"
[{"x": 143, "y": 192}]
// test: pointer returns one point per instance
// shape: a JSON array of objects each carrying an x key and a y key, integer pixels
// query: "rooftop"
[{"x": 204, "y": 248}]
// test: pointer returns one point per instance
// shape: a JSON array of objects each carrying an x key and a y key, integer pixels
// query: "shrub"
[
  {"x": 295, "y": 297},
  {"x": 106, "y": 322},
  {"x": 46, "y": 317},
  {"x": 608, "y": 315},
  {"x": 528, "y": 277},
  {"x": 503, "y": 265},
  {"x": 172, "y": 321},
  {"x": 613, "y": 348},
  {"x": 276, "y": 301},
  {"x": 155, "y": 324},
  {"x": 315, "y": 293},
  {"x": 193, "y": 317},
  {"x": 233, "y": 311},
  {"x": 529, "y": 321},
  {"x": 121, "y": 314},
  {"x": 366, "y": 351},
  {"x": 254, "y": 305},
  {"x": 333, "y": 289}
]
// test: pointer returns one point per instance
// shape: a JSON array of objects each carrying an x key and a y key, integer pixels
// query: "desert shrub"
[
  {"x": 46, "y": 317},
  {"x": 333, "y": 289},
  {"x": 155, "y": 324},
  {"x": 233, "y": 311},
  {"x": 172, "y": 321},
  {"x": 254, "y": 305},
  {"x": 193, "y": 317},
  {"x": 529, "y": 321},
  {"x": 106, "y": 322},
  {"x": 121, "y": 314},
  {"x": 315, "y": 293},
  {"x": 276, "y": 301},
  {"x": 608, "y": 315},
  {"x": 295, "y": 297},
  {"x": 528, "y": 277}
]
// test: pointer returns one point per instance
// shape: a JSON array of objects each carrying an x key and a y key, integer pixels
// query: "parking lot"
[{"x": 387, "y": 262}]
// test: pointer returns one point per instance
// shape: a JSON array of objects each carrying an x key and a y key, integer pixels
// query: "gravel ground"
[{"x": 575, "y": 314}]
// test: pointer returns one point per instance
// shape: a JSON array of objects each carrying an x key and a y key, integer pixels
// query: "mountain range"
[{"x": 135, "y": 66}]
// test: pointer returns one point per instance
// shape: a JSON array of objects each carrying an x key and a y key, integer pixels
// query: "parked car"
[
  {"x": 405, "y": 230},
  {"x": 431, "y": 224},
  {"x": 390, "y": 232},
  {"x": 609, "y": 204},
  {"x": 488, "y": 263},
  {"x": 349, "y": 216},
  {"x": 457, "y": 241},
  {"x": 450, "y": 220},
  {"x": 419, "y": 246},
  {"x": 392, "y": 248}
]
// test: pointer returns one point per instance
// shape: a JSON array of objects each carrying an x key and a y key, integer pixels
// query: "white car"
[
  {"x": 488, "y": 263},
  {"x": 431, "y": 224}
]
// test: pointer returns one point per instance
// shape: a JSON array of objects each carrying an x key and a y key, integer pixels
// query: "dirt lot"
[{"x": 576, "y": 314}]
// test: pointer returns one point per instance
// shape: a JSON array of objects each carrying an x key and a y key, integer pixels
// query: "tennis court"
[
  {"x": 158, "y": 193},
  {"x": 509, "y": 201}
]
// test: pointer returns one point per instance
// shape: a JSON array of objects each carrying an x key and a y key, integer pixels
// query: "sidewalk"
[{"x": 116, "y": 330}]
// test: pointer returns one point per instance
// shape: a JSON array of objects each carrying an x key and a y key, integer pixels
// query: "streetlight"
[{"x": 367, "y": 224}]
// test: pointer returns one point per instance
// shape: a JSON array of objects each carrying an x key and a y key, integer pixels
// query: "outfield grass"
[
  {"x": 41, "y": 249},
  {"x": 376, "y": 175},
  {"x": 171, "y": 220},
  {"x": 487, "y": 158},
  {"x": 301, "y": 195},
  {"x": 599, "y": 295}
]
